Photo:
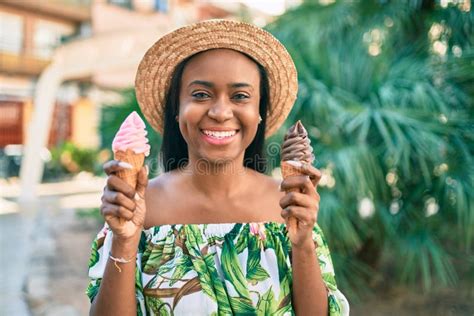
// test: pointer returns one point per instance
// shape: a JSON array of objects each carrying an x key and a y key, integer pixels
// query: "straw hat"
[{"x": 157, "y": 66}]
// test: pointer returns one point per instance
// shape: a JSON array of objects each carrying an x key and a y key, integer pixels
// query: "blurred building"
[
  {"x": 96, "y": 45},
  {"x": 30, "y": 31}
]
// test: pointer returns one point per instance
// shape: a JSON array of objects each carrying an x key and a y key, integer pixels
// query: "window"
[
  {"x": 122, "y": 3},
  {"x": 47, "y": 36},
  {"x": 150, "y": 5},
  {"x": 161, "y": 5},
  {"x": 11, "y": 33}
]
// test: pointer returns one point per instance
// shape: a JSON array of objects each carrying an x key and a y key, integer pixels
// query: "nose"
[{"x": 221, "y": 110}]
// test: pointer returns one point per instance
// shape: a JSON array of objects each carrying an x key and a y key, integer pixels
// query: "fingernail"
[
  {"x": 295, "y": 163},
  {"x": 137, "y": 197},
  {"x": 147, "y": 170},
  {"x": 279, "y": 187},
  {"x": 125, "y": 165}
]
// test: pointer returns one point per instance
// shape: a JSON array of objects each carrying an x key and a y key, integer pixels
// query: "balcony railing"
[
  {"x": 75, "y": 10},
  {"x": 21, "y": 64}
]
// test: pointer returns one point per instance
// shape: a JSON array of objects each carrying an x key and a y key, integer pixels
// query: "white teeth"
[{"x": 219, "y": 134}]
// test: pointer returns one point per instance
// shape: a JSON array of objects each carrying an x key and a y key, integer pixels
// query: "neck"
[{"x": 217, "y": 180}]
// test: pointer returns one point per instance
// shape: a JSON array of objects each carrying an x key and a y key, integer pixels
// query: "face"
[{"x": 219, "y": 105}]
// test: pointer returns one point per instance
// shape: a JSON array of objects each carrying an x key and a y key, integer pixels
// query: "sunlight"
[
  {"x": 440, "y": 169},
  {"x": 366, "y": 208},
  {"x": 443, "y": 118},
  {"x": 394, "y": 207},
  {"x": 440, "y": 48},
  {"x": 431, "y": 207},
  {"x": 435, "y": 31},
  {"x": 391, "y": 178},
  {"x": 457, "y": 51},
  {"x": 271, "y": 7},
  {"x": 327, "y": 180}
]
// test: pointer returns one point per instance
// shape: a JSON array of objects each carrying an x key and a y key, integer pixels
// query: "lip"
[
  {"x": 215, "y": 141},
  {"x": 220, "y": 129}
]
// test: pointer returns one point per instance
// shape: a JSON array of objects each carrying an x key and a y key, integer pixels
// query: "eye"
[
  {"x": 240, "y": 96},
  {"x": 200, "y": 95}
]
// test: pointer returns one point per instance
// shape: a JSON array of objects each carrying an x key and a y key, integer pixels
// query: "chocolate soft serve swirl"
[{"x": 296, "y": 145}]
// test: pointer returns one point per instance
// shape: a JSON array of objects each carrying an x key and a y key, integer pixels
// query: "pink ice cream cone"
[{"x": 131, "y": 145}]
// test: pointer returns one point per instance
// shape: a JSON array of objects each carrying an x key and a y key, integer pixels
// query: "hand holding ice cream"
[
  {"x": 123, "y": 202},
  {"x": 296, "y": 161}
]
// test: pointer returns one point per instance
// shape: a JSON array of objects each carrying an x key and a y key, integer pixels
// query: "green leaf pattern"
[{"x": 215, "y": 269}]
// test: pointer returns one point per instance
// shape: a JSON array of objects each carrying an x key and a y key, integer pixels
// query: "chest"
[{"x": 190, "y": 208}]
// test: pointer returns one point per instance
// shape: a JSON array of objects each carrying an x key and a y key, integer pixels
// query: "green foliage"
[
  {"x": 386, "y": 93},
  {"x": 112, "y": 117},
  {"x": 90, "y": 213},
  {"x": 266, "y": 303},
  {"x": 68, "y": 159},
  {"x": 94, "y": 255},
  {"x": 255, "y": 272}
]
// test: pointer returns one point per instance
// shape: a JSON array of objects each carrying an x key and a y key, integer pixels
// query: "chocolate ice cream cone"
[
  {"x": 288, "y": 170},
  {"x": 136, "y": 160}
]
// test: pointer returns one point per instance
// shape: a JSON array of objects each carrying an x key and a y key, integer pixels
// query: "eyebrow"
[
  {"x": 211, "y": 85},
  {"x": 240, "y": 85},
  {"x": 202, "y": 83}
]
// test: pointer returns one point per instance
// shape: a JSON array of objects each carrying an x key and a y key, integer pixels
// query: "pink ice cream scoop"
[{"x": 132, "y": 136}]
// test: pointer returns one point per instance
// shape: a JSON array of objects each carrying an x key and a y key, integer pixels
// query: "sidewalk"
[
  {"x": 45, "y": 248},
  {"x": 15, "y": 229},
  {"x": 82, "y": 183}
]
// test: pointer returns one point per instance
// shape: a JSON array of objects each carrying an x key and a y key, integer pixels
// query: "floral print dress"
[{"x": 215, "y": 269}]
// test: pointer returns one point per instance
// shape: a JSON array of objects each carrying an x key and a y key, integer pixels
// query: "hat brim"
[{"x": 157, "y": 66}]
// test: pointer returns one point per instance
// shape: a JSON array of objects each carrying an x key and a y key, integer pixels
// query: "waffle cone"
[
  {"x": 288, "y": 170},
  {"x": 136, "y": 160}
]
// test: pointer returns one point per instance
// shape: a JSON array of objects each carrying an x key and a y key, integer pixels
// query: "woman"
[{"x": 208, "y": 236}]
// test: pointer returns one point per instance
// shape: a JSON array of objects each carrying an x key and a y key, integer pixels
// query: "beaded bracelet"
[{"x": 119, "y": 260}]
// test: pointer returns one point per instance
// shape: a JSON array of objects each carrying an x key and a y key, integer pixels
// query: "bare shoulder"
[
  {"x": 159, "y": 196},
  {"x": 268, "y": 196},
  {"x": 159, "y": 182},
  {"x": 269, "y": 185},
  {"x": 158, "y": 186}
]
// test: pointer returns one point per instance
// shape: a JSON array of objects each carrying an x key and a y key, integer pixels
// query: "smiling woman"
[
  {"x": 220, "y": 104},
  {"x": 210, "y": 233},
  {"x": 241, "y": 91}
]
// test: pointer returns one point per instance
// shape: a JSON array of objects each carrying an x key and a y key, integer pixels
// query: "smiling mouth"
[{"x": 220, "y": 134}]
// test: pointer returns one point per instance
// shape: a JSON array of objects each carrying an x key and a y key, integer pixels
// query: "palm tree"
[{"x": 386, "y": 92}]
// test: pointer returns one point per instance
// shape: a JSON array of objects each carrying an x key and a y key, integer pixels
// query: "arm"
[
  {"x": 310, "y": 295},
  {"x": 124, "y": 211},
  {"x": 116, "y": 295}
]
